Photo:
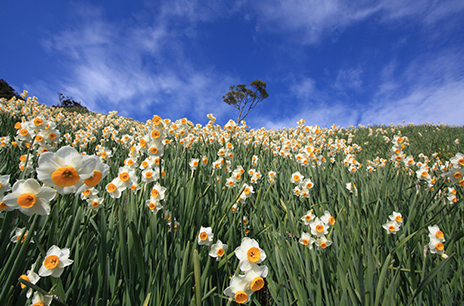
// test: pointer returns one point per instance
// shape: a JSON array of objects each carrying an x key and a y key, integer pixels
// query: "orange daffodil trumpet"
[
  {"x": 249, "y": 253},
  {"x": 29, "y": 197},
  {"x": 55, "y": 261},
  {"x": 66, "y": 169}
]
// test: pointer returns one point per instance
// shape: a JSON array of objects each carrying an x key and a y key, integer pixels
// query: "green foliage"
[{"x": 240, "y": 97}]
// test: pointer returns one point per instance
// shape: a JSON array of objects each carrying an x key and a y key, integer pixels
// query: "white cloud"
[
  {"x": 308, "y": 21},
  {"x": 139, "y": 70}
]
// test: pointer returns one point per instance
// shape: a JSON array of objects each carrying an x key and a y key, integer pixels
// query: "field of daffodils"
[{"x": 104, "y": 210}]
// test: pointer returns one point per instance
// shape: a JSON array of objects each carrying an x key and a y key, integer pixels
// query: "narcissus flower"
[
  {"x": 38, "y": 299},
  {"x": 55, "y": 261},
  {"x": 307, "y": 240},
  {"x": 392, "y": 227},
  {"x": 318, "y": 228},
  {"x": 328, "y": 219},
  {"x": 29, "y": 197},
  {"x": 249, "y": 253},
  {"x": 218, "y": 250},
  {"x": 308, "y": 218},
  {"x": 396, "y": 216},
  {"x": 31, "y": 277},
  {"x": 436, "y": 246},
  {"x": 205, "y": 237},
  {"x": 238, "y": 290},
  {"x": 255, "y": 277},
  {"x": 436, "y": 233},
  {"x": 322, "y": 243},
  {"x": 66, "y": 169}
]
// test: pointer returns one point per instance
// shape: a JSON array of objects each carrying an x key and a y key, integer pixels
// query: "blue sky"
[{"x": 328, "y": 62}]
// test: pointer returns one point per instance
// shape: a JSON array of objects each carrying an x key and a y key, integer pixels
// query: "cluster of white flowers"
[
  {"x": 302, "y": 185},
  {"x": 318, "y": 228},
  {"x": 437, "y": 238},
  {"x": 394, "y": 224},
  {"x": 242, "y": 286}
]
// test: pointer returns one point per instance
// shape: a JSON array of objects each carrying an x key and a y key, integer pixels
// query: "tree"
[
  {"x": 6, "y": 91},
  {"x": 240, "y": 97},
  {"x": 70, "y": 104}
]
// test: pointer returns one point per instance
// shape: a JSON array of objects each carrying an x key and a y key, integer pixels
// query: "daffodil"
[
  {"x": 322, "y": 243},
  {"x": 436, "y": 233},
  {"x": 55, "y": 261},
  {"x": 20, "y": 235},
  {"x": 328, "y": 219},
  {"x": 31, "y": 277},
  {"x": 29, "y": 197},
  {"x": 308, "y": 218},
  {"x": 217, "y": 250},
  {"x": 66, "y": 169},
  {"x": 38, "y": 299},
  {"x": 392, "y": 227},
  {"x": 307, "y": 240},
  {"x": 205, "y": 237},
  {"x": 238, "y": 290},
  {"x": 249, "y": 253},
  {"x": 436, "y": 246},
  {"x": 4, "y": 184},
  {"x": 255, "y": 277},
  {"x": 95, "y": 202},
  {"x": 318, "y": 228},
  {"x": 396, "y": 216}
]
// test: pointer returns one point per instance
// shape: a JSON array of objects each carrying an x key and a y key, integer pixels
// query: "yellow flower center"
[
  {"x": 220, "y": 252},
  {"x": 51, "y": 262},
  {"x": 247, "y": 190},
  {"x": 154, "y": 193},
  {"x": 457, "y": 175},
  {"x": 425, "y": 173},
  {"x": 203, "y": 236},
  {"x": 38, "y": 304},
  {"x": 241, "y": 297},
  {"x": 153, "y": 150},
  {"x": 296, "y": 178},
  {"x": 461, "y": 161},
  {"x": 253, "y": 254},
  {"x": 308, "y": 218},
  {"x": 398, "y": 219},
  {"x": 305, "y": 241},
  {"x": 323, "y": 245},
  {"x": 151, "y": 206},
  {"x": 95, "y": 204},
  {"x": 124, "y": 176},
  {"x": 38, "y": 121},
  {"x": 319, "y": 228},
  {"x": 52, "y": 135},
  {"x": 3, "y": 205},
  {"x": 309, "y": 185},
  {"x": 439, "y": 234},
  {"x": 156, "y": 120},
  {"x": 24, "y": 276},
  {"x": 65, "y": 176},
  {"x": 86, "y": 192},
  {"x": 23, "y": 132},
  {"x": 257, "y": 284},
  {"x": 26, "y": 200},
  {"x": 332, "y": 220},
  {"x": 392, "y": 228},
  {"x": 95, "y": 179},
  {"x": 439, "y": 246},
  {"x": 111, "y": 187}
]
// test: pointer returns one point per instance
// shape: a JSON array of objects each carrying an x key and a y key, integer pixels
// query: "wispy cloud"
[
  {"x": 308, "y": 21},
  {"x": 138, "y": 70}
]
